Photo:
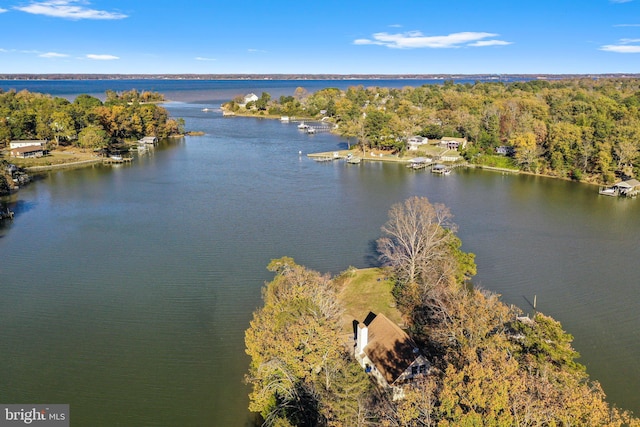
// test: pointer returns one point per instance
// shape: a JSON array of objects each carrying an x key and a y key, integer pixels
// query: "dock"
[
  {"x": 312, "y": 127},
  {"x": 116, "y": 160},
  {"x": 420, "y": 163}
]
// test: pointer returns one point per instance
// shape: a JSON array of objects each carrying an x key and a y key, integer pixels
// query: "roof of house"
[
  {"x": 27, "y": 149},
  {"x": 389, "y": 347},
  {"x": 452, "y": 138},
  {"x": 30, "y": 141}
]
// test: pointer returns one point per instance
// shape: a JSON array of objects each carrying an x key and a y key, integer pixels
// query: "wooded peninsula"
[
  {"x": 87, "y": 123},
  {"x": 479, "y": 361}
]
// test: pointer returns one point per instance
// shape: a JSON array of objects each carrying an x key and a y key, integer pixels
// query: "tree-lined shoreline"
[{"x": 582, "y": 129}]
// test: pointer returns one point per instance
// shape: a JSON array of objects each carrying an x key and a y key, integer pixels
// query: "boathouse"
[
  {"x": 148, "y": 140},
  {"x": 630, "y": 187},
  {"x": 387, "y": 353}
]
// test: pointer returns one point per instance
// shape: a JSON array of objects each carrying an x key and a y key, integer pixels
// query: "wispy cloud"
[
  {"x": 620, "y": 1},
  {"x": 101, "y": 57},
  {"x": 415, "y": 39},
  {"x": 627, "y": 25},
  {"x": 202, "y": 58},
  {"x": 256, "y": 51},
  {"x": 68, "y": 9},
  {"x": 3, "y": 10},
  {"x": 53, "y": 55},
  {"x": 623, "y": 46}
]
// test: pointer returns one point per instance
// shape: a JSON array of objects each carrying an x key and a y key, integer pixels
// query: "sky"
[{"x": 320, "y": 37}]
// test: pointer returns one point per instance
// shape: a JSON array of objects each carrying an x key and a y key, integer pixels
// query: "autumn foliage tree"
[
  {"x": 87, "y": 122},
  {"x": 300, "y": 372},
  {"x": 490, "y": 366}
]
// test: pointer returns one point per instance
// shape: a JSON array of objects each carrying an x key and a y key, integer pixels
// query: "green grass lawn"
[
  {"x": 367, "y": 290},
  {"x": 495, "y": 161}
]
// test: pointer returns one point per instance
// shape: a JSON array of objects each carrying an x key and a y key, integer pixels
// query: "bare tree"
[{"x": 416, "y": 235}]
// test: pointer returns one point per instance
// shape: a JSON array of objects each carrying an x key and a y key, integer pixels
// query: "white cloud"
[
  {"x": 483, "y": 43},
  {"x": 69, "y": 9},
  {"x": 627, "y": 25},
  {"x": 415, "y": 39},
  {"x": 621, "y": 48},
  {"x": 620, "y": 1},
  {"x": 202, "y": 58},
  {"x": 629, "y": 41},
  {"x": 256, "y": 51},
  {"x": 102, "y": 57},
  {"x": 3, "y": 10},
  {"x": 53, "y": 55}
]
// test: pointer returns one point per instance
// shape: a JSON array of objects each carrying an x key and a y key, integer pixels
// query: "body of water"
[{"x": 125, "y": 291}]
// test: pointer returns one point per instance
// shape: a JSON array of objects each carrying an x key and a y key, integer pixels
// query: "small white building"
[
  {"x": 19, "y": 143},
  {"x": 252, "y": 97},
  {"x": 387, "y": 353},
  {"x": 416, "y": 142}
]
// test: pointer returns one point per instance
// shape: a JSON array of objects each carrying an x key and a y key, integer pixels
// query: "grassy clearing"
[
  {"x": 56, "y": 157},
  {"x": 495, "y": 161},
  {"x": 365, "y": 290}
]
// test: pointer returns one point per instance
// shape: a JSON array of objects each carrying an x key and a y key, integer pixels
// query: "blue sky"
[{"x": 337, "y": 37}]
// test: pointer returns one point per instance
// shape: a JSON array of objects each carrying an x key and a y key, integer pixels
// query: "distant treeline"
[
  {"x": 87, "y": 121},
  {"x": 284, "y": 76},
  {"x": 582, "y": 129}
]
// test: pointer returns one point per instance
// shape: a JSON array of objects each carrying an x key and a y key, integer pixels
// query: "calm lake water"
[{"x": 125, "y": 291}]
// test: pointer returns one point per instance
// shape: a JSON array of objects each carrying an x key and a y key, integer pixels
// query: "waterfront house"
[
  {"x": 452, "y": 143},
  {"x": 27, "y": 152},
  {"x": 387, "y": 353},
  {"x": 252, "y": 97},
  {"x": 18, "y": 143},
  {"x": 415, "y": 142},
  {"x": 505, "y": 150}
]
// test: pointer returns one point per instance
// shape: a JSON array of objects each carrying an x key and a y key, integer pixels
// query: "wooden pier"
[
  {"x": 313, "y": 126},
  {"x": 116, "y": 160}
]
